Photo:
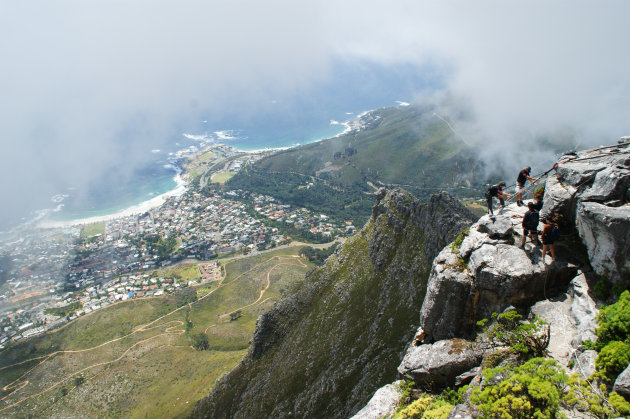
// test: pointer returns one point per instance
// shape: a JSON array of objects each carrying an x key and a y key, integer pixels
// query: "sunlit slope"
[
  {"x": 403, "y": 146},
  {"x": 135, "y": 358},
  {"x": 323, "y": 351}
]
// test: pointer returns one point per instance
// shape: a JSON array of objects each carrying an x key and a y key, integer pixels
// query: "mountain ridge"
[{"x": 323, "y": 351}]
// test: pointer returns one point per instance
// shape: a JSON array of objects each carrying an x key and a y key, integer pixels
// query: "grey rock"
[
  {"x": 467, "y": 377},
  {"x": 557, "y": 199},
  {"x": 462, "y": 411},
  {"x": 622, "y": 383},
  {"x": 435, "y": 366},
  {"x": 605, "y": 231},
  {"x": 584, "y": 363},
  {"x": 496, "y": 276},
  {"x": 584, "y": 311},
  {"x": 383, "y": 403},
  {"x": 499, "y": 227},
  {"x": 448, "y": 298},
  {"x": 610, "y": 184}
]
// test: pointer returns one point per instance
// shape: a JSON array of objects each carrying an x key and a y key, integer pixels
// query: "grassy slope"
[
  {"x": 153, "y": 372},
  {"x": 405, "y": 146},
  {"x": 325, "y": 350}
]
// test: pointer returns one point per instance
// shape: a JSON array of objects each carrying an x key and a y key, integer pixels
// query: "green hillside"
[
  {"x": 137, "y": 358},
  {"x": 324, "y": 350},
  {"x": 409, "y": 147}
]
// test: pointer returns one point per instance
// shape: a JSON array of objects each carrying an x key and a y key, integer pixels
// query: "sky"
[{"x": 83, "y": 83}]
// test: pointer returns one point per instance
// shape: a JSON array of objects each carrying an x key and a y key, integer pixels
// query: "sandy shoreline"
[{"x": 133, "y": 210}]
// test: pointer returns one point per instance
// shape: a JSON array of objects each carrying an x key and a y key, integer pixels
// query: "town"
[{"x": 51, "y": 276}]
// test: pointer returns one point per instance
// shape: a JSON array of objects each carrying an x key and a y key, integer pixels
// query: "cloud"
[{"x": 88, "y": 83}]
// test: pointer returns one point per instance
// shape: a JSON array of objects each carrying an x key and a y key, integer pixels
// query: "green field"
[
  {"x": 134, "y": 358},
  {"x": 92, "y": 230},
  {"x": 223, "y": 177}
]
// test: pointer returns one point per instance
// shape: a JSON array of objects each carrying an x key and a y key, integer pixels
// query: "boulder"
[
  {"x": 435, "y": 366},
  {"x": 622, "y": 383},
  {"x": 462, "y": 411},
  {"x": 605, "y": 231},
  {"x": 583, "y": 311},
  {"x": 584, "y": 363},
  {"x": 383, "y": 403}
]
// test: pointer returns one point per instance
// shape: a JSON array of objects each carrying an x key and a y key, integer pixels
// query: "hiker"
[
  {"x": 538, "y": 200},
  {"x": 523, "y": 176},
  {"x": 496, "y": 191},
  {"x": 530, "y": 224},
  {"x": 550, "y": 234}
]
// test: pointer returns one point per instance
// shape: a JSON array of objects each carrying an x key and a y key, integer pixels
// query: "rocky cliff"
[
  {"x": 488, "y": 271},
  {"x": 326, "y": 349}
]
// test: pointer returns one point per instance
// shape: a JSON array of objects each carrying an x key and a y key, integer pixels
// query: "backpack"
[
  {"x": 530, "y": 220},
  {"x": 554, "y": 234}
]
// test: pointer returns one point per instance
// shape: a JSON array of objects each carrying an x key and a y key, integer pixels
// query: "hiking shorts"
[
  {"x": 547, "y": 240},
  {"x": 527, "y": 232},
  {"x": 520, "y": 188}
]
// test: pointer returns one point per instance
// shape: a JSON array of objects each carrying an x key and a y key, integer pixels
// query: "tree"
[{"x": 200, "y": 342}]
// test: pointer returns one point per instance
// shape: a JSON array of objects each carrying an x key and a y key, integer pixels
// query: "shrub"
[
  {"x": 620, "y": 404},
  {"x": 527, "y": 339},
  {"x": 200, "y": 342},
  {"x": 613, "y": 359},
  {"x": 415, "y": 409},
  {"x": 533, "y": 389},
  {"x": 459, "y": 239},
  {"x": 425, "y": 407},
  {"x": 614, "y": 322}
]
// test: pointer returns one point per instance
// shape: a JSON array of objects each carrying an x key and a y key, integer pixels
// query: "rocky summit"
[
  {"x": 324, "y": 351},
  {"x": 488, "y": 271}
]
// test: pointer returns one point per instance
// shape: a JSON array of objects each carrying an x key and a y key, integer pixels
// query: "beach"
[{"x": 133, "y": 210}]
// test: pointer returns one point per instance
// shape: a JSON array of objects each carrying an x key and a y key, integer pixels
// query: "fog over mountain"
[{"x": 85, "y": 85}]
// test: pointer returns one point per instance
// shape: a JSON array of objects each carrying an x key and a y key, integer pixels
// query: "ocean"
[{"x": 284, "y": 121}]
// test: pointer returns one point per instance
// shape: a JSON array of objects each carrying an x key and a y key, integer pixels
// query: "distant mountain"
[
  {"x": 408, "y": 146},
  {"x": 324, "y": 350}
]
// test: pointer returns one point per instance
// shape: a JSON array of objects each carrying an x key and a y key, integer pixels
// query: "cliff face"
[{"x": 326, "y": 349}]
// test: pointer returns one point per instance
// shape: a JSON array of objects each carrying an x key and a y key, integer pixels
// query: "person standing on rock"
[
  {"x": 530, "y": 224},
  {"x": 523, "y": 176},
  {"x": 550, "y": 234},
  {"x": 496, "y": 191}
]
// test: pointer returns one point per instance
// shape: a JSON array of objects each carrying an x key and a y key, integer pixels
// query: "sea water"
[{"x": 276, "y": 123}]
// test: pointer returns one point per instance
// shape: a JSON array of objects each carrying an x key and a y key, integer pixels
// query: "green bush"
[
  {"x": 459, "y": 239},
  {"x": 614, "y": 322},
  {"x": 534, "y": 389},
  {"x": 201, "y": 342},
  {"x": 524, "y": 338},
  {"x": 620, "y": 404},
  {"x": 613, "y": 359},
  {"x": 415, "y": 409},
  {"x": 425, "y": 407}
]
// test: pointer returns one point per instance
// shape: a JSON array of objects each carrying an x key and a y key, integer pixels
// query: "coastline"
[
  {"x": 140, "y": 208},
  {"x": 182, "y": 184}
]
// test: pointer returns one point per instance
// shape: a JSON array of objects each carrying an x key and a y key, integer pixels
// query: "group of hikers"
[{"x": 531, "y": 219}]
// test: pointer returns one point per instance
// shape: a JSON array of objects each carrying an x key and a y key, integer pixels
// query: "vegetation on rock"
[{"x": 524, "y": 338}]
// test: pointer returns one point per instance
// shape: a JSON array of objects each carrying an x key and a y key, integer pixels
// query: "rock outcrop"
[
  {"x": 432, "y": 367},
  {"x": 591, "y": 190},
  {"x": 489, "y": 271},
  {"x": 622, "y": 383},
  {"x": 324, "y": 351}
]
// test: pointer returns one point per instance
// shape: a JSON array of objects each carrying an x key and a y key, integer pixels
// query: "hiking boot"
[{"x": 519, "y": 203}]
